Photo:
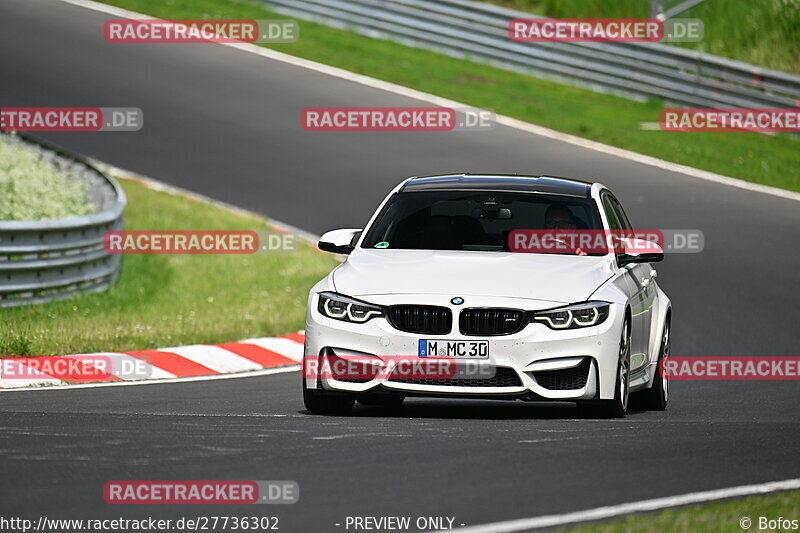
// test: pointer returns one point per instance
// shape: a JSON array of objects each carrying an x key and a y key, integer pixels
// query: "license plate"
[{"x": 458, "y": 349}]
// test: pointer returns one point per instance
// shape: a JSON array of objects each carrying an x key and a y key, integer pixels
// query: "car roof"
[{"x": 499, "y": 182}]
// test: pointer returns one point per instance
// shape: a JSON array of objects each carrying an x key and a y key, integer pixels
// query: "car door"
[
  {"x": 631, "y": 276},
  {"x": 643, "y": 274}
]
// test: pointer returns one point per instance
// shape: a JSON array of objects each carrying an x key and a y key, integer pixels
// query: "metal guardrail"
[
  {"x": 479, "y": 31},
  {"x": 44, "y": 260}
]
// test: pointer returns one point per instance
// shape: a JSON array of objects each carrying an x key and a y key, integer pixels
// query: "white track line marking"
[
  {"x": 171, "y": 189},
  {"x": 214, "y": 357},
  {"x": 256, "y": 373},
  {"x": 444, "y": 102},
  {"x": 611, "y": 511}
]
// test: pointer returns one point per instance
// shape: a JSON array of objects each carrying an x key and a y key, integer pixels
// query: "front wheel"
[
  {"x": 655, "y": 398},
  {"x": 617, "y": 407},
  {"x": 326, "y": 403}
]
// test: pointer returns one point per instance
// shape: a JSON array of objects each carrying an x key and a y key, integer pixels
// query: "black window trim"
[{"x": 608, "y": 195}]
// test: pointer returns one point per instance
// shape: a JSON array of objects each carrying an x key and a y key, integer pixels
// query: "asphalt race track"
[{"x": 225, "y": 123}]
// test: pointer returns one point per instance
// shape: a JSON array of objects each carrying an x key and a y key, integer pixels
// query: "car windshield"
[{"x": 481, "y": 221}]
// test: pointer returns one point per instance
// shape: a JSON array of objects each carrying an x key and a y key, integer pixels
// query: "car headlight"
[
  {"x": 582, "y": 315},
  {"x": 342, "y": 307}
]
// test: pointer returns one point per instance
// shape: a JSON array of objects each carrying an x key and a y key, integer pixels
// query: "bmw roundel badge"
[{"x": 458, "y": 300}]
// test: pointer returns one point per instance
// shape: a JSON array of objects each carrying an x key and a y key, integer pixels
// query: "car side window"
[
  {"x": 611, "y": 214},
  {"x": 621, "y": 216}
]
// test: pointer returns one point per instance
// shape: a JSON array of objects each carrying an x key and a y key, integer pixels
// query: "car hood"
[{"x": 558, "y": 278}]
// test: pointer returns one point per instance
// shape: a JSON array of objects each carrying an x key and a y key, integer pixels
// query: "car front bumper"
[{"x": 535, "y": 363}]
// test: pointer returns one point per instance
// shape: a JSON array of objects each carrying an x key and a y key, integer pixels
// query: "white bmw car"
[{"x": 432, "y": 277}]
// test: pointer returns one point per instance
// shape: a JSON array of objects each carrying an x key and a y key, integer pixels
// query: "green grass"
[
  {"x": 720, "y": 517},
  {"x": 33, "y": 188},
  {"x": 762, "y": 32},
  {"x": 172, "y": 300},
  {"x": 770, "y": 160}
]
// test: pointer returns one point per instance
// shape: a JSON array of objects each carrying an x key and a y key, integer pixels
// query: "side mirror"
[
  {"x": 639, "y": 251},
  {"x": 339, "y": 241}
]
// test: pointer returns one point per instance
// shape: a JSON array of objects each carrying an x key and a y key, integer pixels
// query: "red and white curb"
[{"x": 245, "y": 356}]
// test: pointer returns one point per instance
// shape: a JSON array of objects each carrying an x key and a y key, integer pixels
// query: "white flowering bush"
[{"x": 33, "y": 187}]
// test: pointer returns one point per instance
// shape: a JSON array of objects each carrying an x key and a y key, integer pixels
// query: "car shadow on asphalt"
[{"x": 478, "y": 410}]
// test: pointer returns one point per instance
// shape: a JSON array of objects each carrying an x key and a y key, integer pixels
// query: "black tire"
[
  {"x": 617, "y": 407},
  {"x": 656, "y": 397},
  {"x": 327, "y": 403},
  {"x": 381, "y": 400}
]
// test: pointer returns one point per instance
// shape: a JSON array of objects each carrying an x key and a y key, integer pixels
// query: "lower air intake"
[{"x": 566, "y": 378}]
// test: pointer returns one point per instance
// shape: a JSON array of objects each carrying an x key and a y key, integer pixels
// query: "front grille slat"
[
  {"x": 422, "y": 319},
  {"x": 491, "y": 321}
]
